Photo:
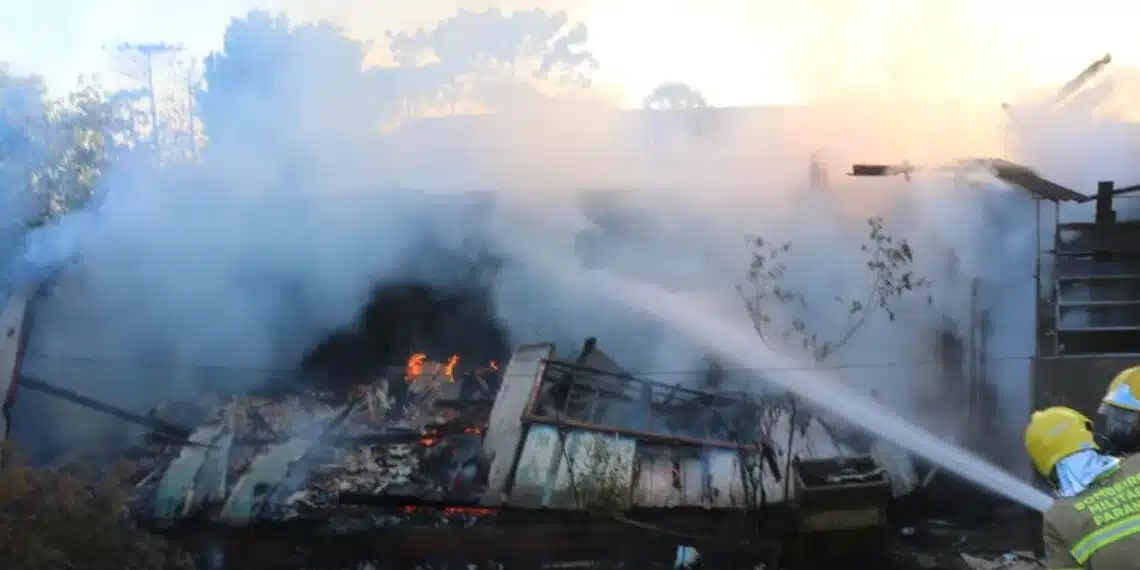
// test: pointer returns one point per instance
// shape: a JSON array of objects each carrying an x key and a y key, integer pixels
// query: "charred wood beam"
[
  {"x": 391, "y": 436},
  {"x": 411, "y": 502},
  {"x": 675, "y": 412},
  {"x": 1016, "y": 174},
  {"x": 173, "y": 432},
  {"x": 1082, "y": 78},
  {"x": 561, "y": 365},
  {"x": 181, "y": 434},
  {"x": 460, "y": 404},
  {"x": 646, "y": 436}
]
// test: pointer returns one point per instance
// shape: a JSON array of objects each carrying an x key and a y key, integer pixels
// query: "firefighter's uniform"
[
  {"x": 1119, "y": 413},
  {"x": 1098, "y": 527}
]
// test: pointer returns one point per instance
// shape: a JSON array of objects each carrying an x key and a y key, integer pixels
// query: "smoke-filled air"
[{"x": 313, "y": 201}]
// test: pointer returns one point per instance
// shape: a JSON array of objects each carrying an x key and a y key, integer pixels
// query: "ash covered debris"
[
  {"x": 347, "y": 422},
  {"x": 286, "y": 456}
]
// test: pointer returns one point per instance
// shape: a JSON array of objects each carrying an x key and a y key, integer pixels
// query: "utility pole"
[
  {"x": 193, "y": 80},
  {"x": 144, "y": 55}
]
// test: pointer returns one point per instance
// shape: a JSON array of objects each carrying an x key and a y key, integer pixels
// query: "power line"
[{"x": 138, "y": 363}]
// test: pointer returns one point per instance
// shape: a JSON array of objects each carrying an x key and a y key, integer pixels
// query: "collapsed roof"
[{"x": 435, "y": 432}]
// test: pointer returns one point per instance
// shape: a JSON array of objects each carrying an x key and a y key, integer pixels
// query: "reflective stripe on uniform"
[{"x": 1103, "y": 537}]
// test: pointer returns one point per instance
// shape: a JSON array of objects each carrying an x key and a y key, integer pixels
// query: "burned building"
[
  {"x": 556, "y": 434},
  {"x": 471, "y": 440}
]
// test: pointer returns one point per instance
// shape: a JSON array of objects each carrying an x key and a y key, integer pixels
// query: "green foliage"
[
  {"x": 86, "y": 129},
  {"x": 51, "y": 520},
  {"x": 600, "y": 483},
  {"x": 53, "y": 152},
  {"x": 889, "y": 261}
]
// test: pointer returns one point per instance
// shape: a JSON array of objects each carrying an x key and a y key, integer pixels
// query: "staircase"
[{"x": 1097, "y": 290}]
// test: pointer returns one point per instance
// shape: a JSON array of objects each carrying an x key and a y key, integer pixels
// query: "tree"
[
  {"x": 495, "y": 58},
  {"x": 678, "y": 113},
  {"x": 674, "y": 97},
  {"x": 89, "y": 132},
  {"x": 51, "y": 520},
  {"x": 890, "y": 263},
  {"x": 779, "y": 312},
  {"x": 138, "y": 61},
  {"x": 24, "y": 136},
  {"x": 53, "y": 153},
  {"x": 287, "y": 90}
]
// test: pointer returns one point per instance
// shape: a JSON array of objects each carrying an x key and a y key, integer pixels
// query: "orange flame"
[
  {"x": 449, "y": 367},
  {"x": 415, "y": 366},
  {"x": 491, "y": 367},
  {"x": 419, "y": 365}
]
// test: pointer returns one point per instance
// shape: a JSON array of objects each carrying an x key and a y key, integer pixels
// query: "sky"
[{"x": 735, "y": 51}]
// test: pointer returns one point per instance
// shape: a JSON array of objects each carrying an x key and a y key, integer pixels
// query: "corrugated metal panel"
[
  {"x": 724, "y": 467},
  {"x": 212, "y": 483},
  {"x": 654, "y": 487},
  {"x": 707, "y": 477},
  {"x": 504, "y": 430},
  {"x": 272, "y": 467},
  {"x": 673, "y": 479},
  {"x": 694, "y": 478},
  {"x": 536, "y": 467},
  {"x": 177, "y": 493},
  {"x": 594, "y": 467},
  {"x": 269, "y": 468}
]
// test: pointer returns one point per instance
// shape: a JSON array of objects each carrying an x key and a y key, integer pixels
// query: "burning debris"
[
  {"x": 410, "y": 322},
  {"x": 426, "y": 430},
  {"x": 287, "y": 455},
  {"x": 434, "y": 443},
  {"x": 300, "y": 445}
]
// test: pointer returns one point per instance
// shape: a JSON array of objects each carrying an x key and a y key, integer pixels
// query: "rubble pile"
[
  {"x": 361, "y": 469},
  {"x": 408, "y": 434}
]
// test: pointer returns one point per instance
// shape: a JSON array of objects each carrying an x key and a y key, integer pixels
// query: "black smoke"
[{"x": 408, "y": 317}]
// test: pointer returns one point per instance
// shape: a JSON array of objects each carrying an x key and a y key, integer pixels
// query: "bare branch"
[{"x": 889, "y": 260}]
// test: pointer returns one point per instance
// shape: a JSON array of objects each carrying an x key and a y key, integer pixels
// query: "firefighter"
[
  {"x": 1119, "y": 414},
  {"x": 1094, "y": 523}
]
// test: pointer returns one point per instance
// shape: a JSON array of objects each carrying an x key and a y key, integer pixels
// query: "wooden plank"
[
  {"x": 12, "y": 343},
  {"x": 517, "y": 391}
]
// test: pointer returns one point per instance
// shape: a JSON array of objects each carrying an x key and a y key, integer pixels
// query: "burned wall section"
[
  {"x": 1078, "y": 382},
  {"x": 593, "y": 435}
]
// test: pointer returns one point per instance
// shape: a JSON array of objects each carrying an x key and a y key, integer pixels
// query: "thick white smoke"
[{"x": 226, "y": 273}]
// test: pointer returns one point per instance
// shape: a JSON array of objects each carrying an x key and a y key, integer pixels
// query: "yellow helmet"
[
  {"x": 1124, "y": 391},
  {"x": 1055, "y": 433}
]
